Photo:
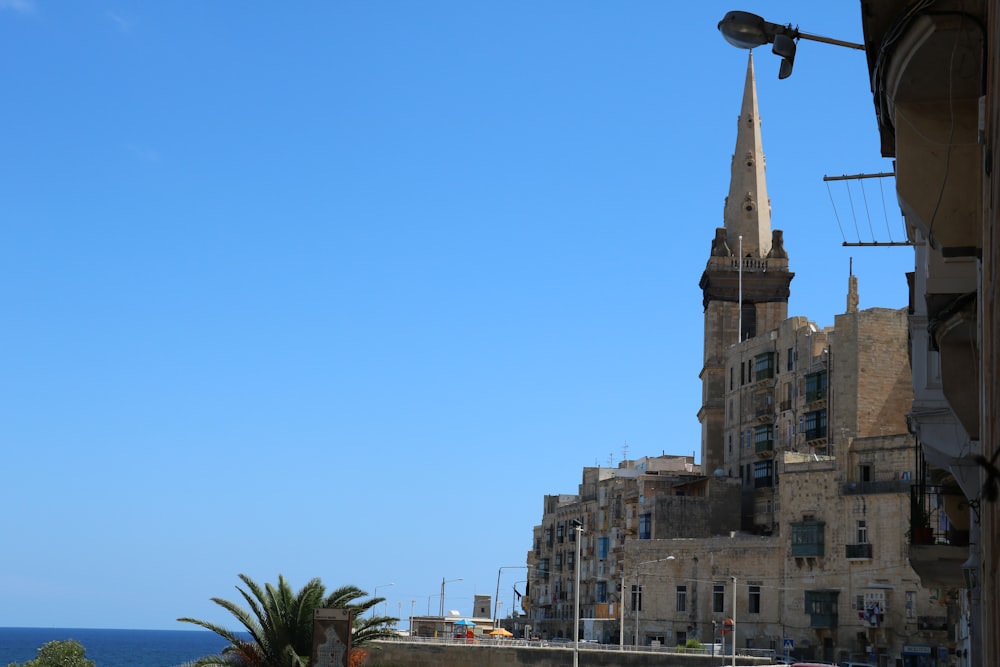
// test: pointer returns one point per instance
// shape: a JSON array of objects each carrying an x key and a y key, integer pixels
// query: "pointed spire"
[
  {"x": 852, "y": 289},
  {"x": 748, "y": 208}
]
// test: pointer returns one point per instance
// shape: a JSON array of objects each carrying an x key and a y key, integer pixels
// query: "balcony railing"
[
  {"x": 861, "y": 551},
  {"x": 815, "y": 433},
  {"x": 764, "y": 446},
  {"x": 887, "y": 486},
  {"x": 822, "y": 620}
]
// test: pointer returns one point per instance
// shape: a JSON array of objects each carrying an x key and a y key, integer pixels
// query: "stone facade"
[{"x": 798, "y": 527}]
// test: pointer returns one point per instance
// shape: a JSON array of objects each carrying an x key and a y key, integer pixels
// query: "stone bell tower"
[{"x": 746, "y": 282}]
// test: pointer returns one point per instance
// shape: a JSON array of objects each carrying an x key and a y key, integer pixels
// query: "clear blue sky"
[{"x": 343, "y": 289}]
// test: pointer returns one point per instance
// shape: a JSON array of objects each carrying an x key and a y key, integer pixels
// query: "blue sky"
[{"x": 343, "y": 289}]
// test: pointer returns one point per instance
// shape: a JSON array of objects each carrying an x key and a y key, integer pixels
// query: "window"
[
  {"x": 548, "y": 536},
  {"x": 764, "y": 366},
  {"x": 749, "y": 322},
  {"x": 763, "y": 438},
  {"x": 601, "y": 591},
  {"x": 559, "y": 562},
  {"x": 822, "y": 608},
  {"x": 543, "y": 568},
  {"x": 808, "y": 538},
  {"x": 815, "y": 386},
  {"x": 911, "y": 604},
  {"x": 603, "y": 543},
  {"x": 861, "y": 531},
  {"x": 570, "y": 559},
  {"x": 636, "y": 598},
  {"x": 730, "y": 378},
  {"x": 864, "y": 472},
  {"x": 560, "y": 529},
  {"x": 645, "y": 526},
  {"x": 763, "y": 474},
  {"x": 682, "y": 598},
  {"x": 791, "y": 359},
  {"x": 718, "y": 598},
  {"x": 816, "y": 424},
  {"x": 754, "y": 599},
  {"x": 572, "y": 533}
]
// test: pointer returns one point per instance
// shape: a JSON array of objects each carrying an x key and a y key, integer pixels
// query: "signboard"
[
  {"x": 787, "y": 644},
  {"x": 331, "y": 637}
]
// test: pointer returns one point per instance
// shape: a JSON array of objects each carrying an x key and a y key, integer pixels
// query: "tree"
[
  {"x": 277, "y": 628},
  {"x": 69, "y": 653}
]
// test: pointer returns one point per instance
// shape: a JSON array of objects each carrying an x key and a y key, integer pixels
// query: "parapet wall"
[{"x": 404, "y": 654}]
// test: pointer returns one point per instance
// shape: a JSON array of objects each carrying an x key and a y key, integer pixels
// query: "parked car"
[{"x": 852, "y": 663}]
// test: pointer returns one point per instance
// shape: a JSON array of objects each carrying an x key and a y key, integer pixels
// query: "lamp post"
[
  {"x": 734, "y": 621},
  {"x": 410, "y": 628},
  {"x": 621, "y": 614},
  {"x": 375, "y": 595},
  {"x": 578, "y": 527},
  {"x": 443, "y": 582},
  {"x": 638, "y": 594},
  {"x": 746, "y": 31},
  {"x": 497, "y": 598}
]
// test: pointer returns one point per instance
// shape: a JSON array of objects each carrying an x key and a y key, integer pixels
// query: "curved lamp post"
[
  {"x": 375, "y": 594},
  {"x": 638, "y": 593},
  {"x": 746, "y": 31},
  {"x": 578, "y": 527},
  {"x": 443, "y": 582},
  {"x": 497, "y": 598}
]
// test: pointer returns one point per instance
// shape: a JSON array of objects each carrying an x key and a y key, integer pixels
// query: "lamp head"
[{"x": 744, "y": 30}]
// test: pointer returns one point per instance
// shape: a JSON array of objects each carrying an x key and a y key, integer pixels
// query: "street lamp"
[
  {"x": 734, "y": 621},
  {"x": 443, "y": 582},
  {"x": 578, "y": 527},
  {"x": 375, "y": 595},
  {"x": 497, "y": 598},
  {"x": 746, "y": 31},
  {"x": 638, "y": 594}
]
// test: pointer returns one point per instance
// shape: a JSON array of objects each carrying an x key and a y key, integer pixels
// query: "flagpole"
[{"x": 739, "y": 325}]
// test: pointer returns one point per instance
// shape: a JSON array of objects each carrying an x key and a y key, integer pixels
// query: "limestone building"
[{"x": 797, "y": 524}]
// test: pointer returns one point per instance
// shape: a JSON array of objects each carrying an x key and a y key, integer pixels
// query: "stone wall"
[{"x": 402, "y": 654}]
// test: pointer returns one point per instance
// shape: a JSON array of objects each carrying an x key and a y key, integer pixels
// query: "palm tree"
[{"x": 277, "y": 629}]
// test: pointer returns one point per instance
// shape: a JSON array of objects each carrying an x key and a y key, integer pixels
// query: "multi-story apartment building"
[
  {"x": 799, "y": 528},
  {"x": 648, "y": 498},
  {"x": 935, "y": 75}
]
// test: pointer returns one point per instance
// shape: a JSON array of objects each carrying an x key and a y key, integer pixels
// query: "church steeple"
[
  {"x": 744, "y": 296},
  {"x": 748, "y": 208}
]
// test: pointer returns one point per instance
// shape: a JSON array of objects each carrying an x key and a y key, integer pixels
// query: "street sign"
[{"x": 788, "y": 644}]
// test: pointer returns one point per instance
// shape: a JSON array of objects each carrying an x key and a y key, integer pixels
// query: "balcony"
[
  {"x": 764, "y": 448},
  {"x": 784, "y": 406},
  {"x": 814, "y": 396},
  {"x": 821, "y": 606},
  {"x": 938, "y": 547},
  {"x": 815, "y": 434},
  {"x": 887, "y": 486},
  {"x": 861, "y": 551},
  {"x": 807, "y": 539}
]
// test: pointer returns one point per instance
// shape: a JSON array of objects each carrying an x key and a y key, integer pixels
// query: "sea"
[{"x": 115, "y": 648}]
